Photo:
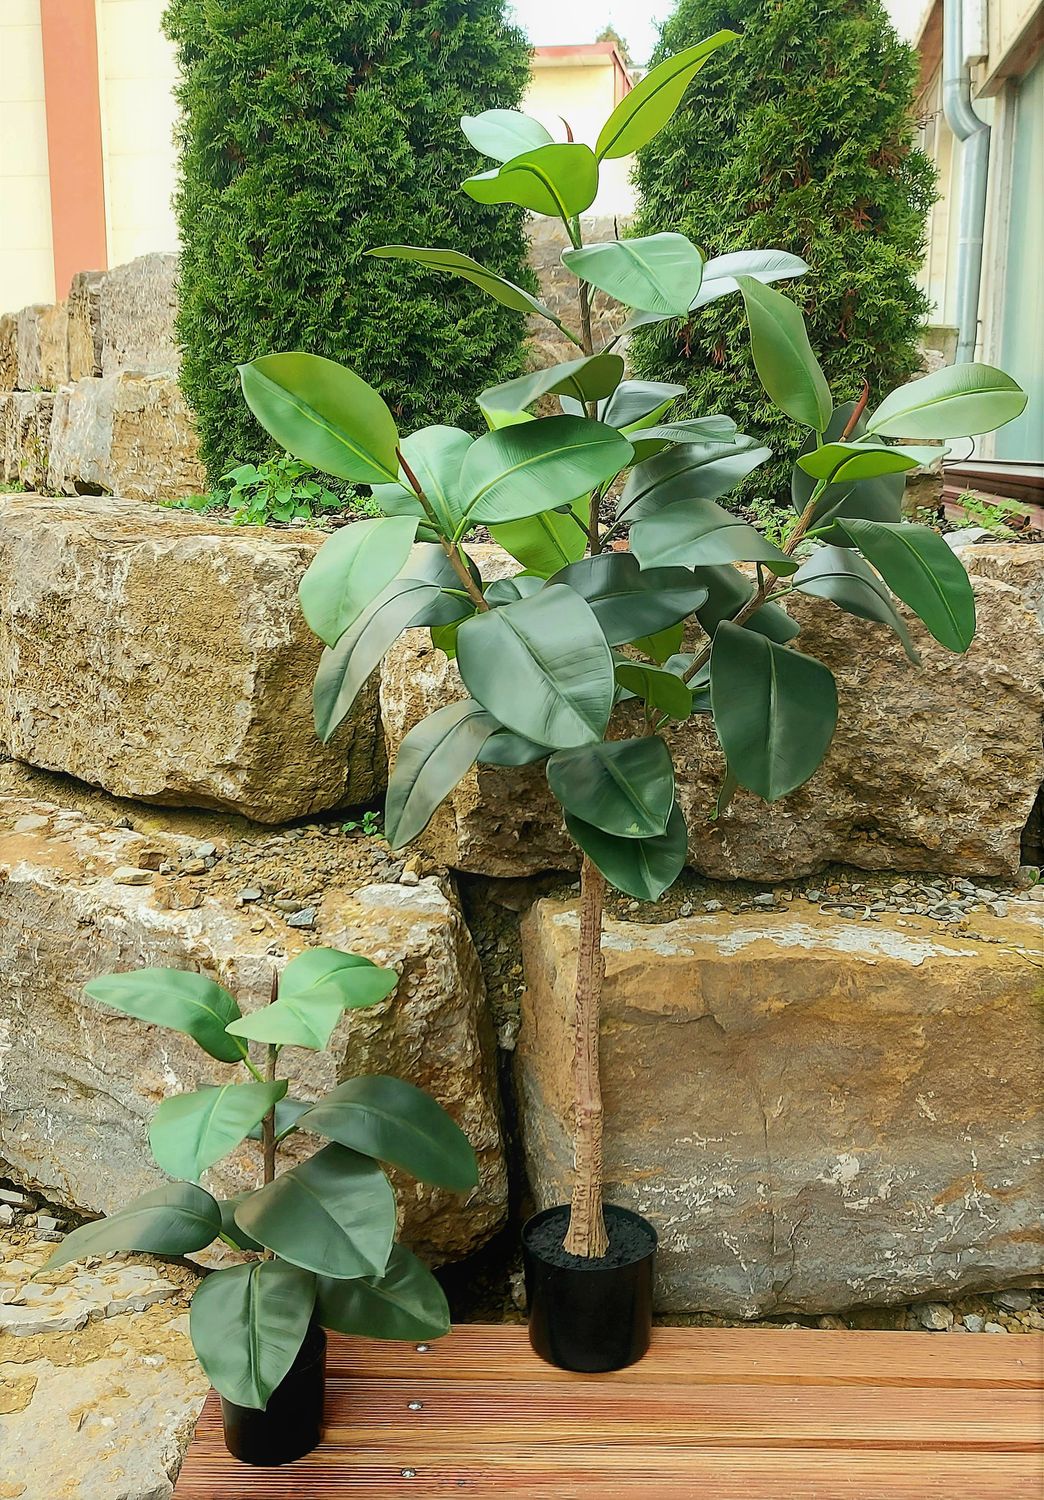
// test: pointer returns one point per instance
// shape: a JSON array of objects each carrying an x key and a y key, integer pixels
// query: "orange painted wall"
[{"x": 74, "y": 140}]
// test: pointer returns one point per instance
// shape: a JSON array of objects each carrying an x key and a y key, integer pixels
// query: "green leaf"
[
  {"x": 247, "y": 1325},
  {"x": 660, "y": 689},
  {"x": 627, "y": 601},
  {"x": 693, "y": 533},
  {"x": 958, "y": 401},
  {"x": 721, "y": 271},
  {"x": 548, "y": 541},
  {"x": 871, "y": 499},
  {"x": 589, "y": 379},
  {"x": 917, "y": 564},
  {"x": 840, "y": 575},
  {"x": 405, "y": 1303},
  {"x": 190, "y": 1132},
  {"x": 230, "y": 1230},
  {"x": 623, "y": 787},
  {"x": 308, "y": 1008},
  {"x": 392, "y": 1121},
  {"x": 324, "y": 414},
  {"x": 657, "y": 273},
  {"x": 728, "y": 592},
  {"x": 647, "y": 441},
  {"x": 775, "y": 710},
  {"x": 559, "y": 181},
  {"x": 642, "y": 868},
  {"x": 510, "y": 590},
  {"x": 320, "y": 968},
  {"x": 644, "y": 111},
  {"x": 176, "y": 998},
  {"x": 541, "y": 667},
  {"x": 436, "y": 455},
  {"x": 663, "y": 643},
  {"x": 536, "y": 466},
  {"x": 287, "y": 1113},
  {"x": 432, "y": 758},
  {"x": 350, "y": 569},
  {"x": 504, "y": 133},
  {"x": 636, "y": 404},
  {"x": 507, "y": 749},
  {"x": 333, "y": 1214},
  {"x": 838, "y": 462},
  {"x": 783, "y": 358},
  {"x": 693, "y": 471},
  {"x": 455, "y": 264},
  {"x": 172, "y": 1220}
]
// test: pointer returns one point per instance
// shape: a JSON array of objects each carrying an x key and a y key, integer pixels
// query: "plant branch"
[
  {"x": 451, "y": 549},
  {"x": 586, "y": 1235},
  {"x": 858, "y": 410}
]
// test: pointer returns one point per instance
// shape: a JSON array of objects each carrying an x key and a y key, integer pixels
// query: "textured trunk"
[{"x": 587, "y": 1235}]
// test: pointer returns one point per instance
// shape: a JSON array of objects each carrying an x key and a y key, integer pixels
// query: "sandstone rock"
[
  {"x": 136, "y": 316},
  {"x": 25, "y": 422},
  {"x": 42, "y": 347},
  {"x": 85, "y": 343},
  {"x": 814, "y": 1113},
  {"x": 164, "y": 657},
  {"x": 1016, "y": 564},
  {"x": 8, "y": 351},
  {"x": 80, "y": 1082},
  {"x": 126, "y": 434}
]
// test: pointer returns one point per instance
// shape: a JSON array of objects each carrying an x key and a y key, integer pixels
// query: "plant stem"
[
  {"x": 586, "y": 336},
  {"x": 450, "y": 548},
  {"x": 268, "y": 1130},
  {"x": 586, "y": 1235}
]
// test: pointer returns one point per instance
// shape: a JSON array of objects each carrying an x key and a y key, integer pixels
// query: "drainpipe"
[{"x": 974, "y": 135}]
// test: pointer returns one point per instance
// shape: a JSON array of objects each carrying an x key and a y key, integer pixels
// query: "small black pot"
[
  {"x": 589, "y": 1315},
  {"x": 291, "y": 1424}
]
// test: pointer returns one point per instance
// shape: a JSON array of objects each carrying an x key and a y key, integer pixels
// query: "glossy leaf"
[
  {"x": 548, "y": 541},
  {"x": 520, "y": 471},
  {"x": 510, "y": 590},
  {"x": 405, "y": 1303},
  {"x": 636, "y": 404},
  {"x": 623, "y": 787},
  {"x": 783, "y": 358},
  {"x": 333, "y": 1214},
  {"x": 642, "y": 868},
  {"x": 176, "y": 998},
  {"x": 392, "y": 1121},
  {"x": 917, "y": 564},
  {"x": 190, "y": 1132},
  {"x": 589, "y": 379},
  {"x": 693, "y": 533},
  {"x": 287, "y": 1113},
  {"x": 728, "y": 591},
  {"x": 541, "y": 667},
  {"x": 658, "y": 273},
  {"x": 314, "y": 995},
  {"x": 508, "y": 749},
  {"x": 647, "y": 441},
  {"x": 627, "y": 601},
  {"x": 230, "y": 1230},
  {"x": 247, "y": 1325},
  {"x": 428, "y": 563},
  {"x": 958, "y": 401},
  {"x": 838, "y": 462},
  {"x": 840, "y": 575},
  {"x": 504, "y": 133},
  {"x": 775, "y": 710},
  {"x": 454, "y": 264},
  {"x": 870, "y": 499},
  {"x": 559, "y": 181},
  {"x": 324, "y": 414},
  {"x": 175, "y": 1219},
  {"x": 644, "y": 111},
  {"x": 435, "y": 455},
  {"x": 719, "y": 278},
  {"x": 659, "y": 688},
  {"x": 350, "y": 569},
  {"x": 430, "y": 761},
  {"x": 693, "y": 471},
  {"x": 664, "y": 643},
  {"x": 321, "y": 968}
]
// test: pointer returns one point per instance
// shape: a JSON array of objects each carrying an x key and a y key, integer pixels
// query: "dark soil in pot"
[{"x": 291, "y": 1424}]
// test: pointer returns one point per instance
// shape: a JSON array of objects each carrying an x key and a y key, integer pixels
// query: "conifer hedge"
[
  {"x": 312, "y": 130},
  {"x": 800, "y": 137}
]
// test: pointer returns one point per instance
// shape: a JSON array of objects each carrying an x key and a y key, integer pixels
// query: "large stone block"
[
  {"x": 25, "y": 422},
  {"x": 931, "y": 768},
  {"x": 42, "y": 347},
  {"x": 80, "y": 1081},
  {"x": 85, "y": 343},
  {"x": 164, "y": 657},
  {"x": 129, "y": 435},
  {"x": 136, "y": 312},
  {"x": 815, "y": 1113},
  {"x": 8, "y": 351}
]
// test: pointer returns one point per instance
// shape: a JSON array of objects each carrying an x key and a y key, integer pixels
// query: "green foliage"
[
  {"x": 800, "y": 137},
  {"x": 312, "y": 130},
  {"x": 278, "y": 489}
]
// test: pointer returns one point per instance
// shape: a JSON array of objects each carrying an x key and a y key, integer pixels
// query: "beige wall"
[
  {"x": 26, "y": 260},
  {"x": 584, "y": 96}
]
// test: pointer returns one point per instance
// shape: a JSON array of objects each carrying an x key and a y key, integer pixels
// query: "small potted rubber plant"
[
  {"x": 627, "y": 617},
  {"x": 316, "y": 1241}
]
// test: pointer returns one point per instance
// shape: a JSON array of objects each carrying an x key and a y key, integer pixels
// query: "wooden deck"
[{"x": 719, "y": 1414}]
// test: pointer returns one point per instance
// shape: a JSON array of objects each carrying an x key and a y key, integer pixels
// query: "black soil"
[{"x": 629, "y": 1241}]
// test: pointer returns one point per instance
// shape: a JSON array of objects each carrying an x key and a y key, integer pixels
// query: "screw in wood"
[
  {"x": 408, "y": 1473},
  {"x": 423, "y": 1348},
  {"x": 415, "y": 1405}
]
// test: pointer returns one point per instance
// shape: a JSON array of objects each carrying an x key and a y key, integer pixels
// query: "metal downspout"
[{"x": 974, "y": 134}]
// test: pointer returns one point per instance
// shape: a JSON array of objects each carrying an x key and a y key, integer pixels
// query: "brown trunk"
[{"x": 587, "y": 1235}]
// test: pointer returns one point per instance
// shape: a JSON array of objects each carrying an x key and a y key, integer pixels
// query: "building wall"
[
  {"x": 584, "y": 95},
  {"x": 26, "y": 259}
]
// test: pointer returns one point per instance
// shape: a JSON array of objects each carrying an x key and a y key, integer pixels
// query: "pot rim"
[{"x": 630, "y": 1214}]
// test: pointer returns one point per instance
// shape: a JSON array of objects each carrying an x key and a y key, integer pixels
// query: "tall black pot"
[
  {"x": 589, "y": 1315},
  {"x": 291, "y": 1424}
]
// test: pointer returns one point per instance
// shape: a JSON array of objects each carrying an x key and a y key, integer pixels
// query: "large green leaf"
[
  {"x": 333, "y": 1214},
  {"x": 719, "y": 278},
  {"x": 541, "y": 667},
  {"x": 177, "y": 998},
  {"x": 287, "y": 1113},
  {"x": 840, "y": 462},
  {"x": 644, "y": 111},
  {"x": 428, "y": 562},
  {"x": 840, "y": 575},
  {"x": 658, "y": 273},
  {"x": 917, "y": 564},
  {"x": 504, "y": 133},
  {"x": 775, "y": 710},
  {"x": 636, "y": 404},
  {"x": 511, "y": 590},
  {"x": 877, "y": 499},
  {"x": 247, "y": 1325},
  {"x": 548, "y": 541},
  {"x": 230, "y": 1230},
  {"x": 642, "y": 868},
  {"x": 405, "y": 1303},
  {"x": 623, "y": 787},
  {"x": 455, "y": 264},
  {"x": 692, "y": 471},
  {"x": 693, "y": 533},
  {"x": 507, "y": 749},
  {"x": 436, "y": 455},
  {"x": 324, "y": 414},
  {"x": 315, "y": 989},
  {"x": 350, "y": 569},
  {"x": 432, "y": 758},
  {"x": 656, "y": 686},
  {"x": 728, "y": 591},
  {"x": 560, "y": 181},
  {"x": 392, "y": 1121},
  {"x": 647, "y": 441},
  {"x": 190, "y": 1132},
  {"x": 783, "y": 358},
  {"x": 663, "y": 643},
  {"x": 958, "y": 401},
  {"x": 627, "y": 601},
  {"x": 536, "y": 466},
  {"x": 589, "y": 379},
  {"x": 172, "y": 1220}
]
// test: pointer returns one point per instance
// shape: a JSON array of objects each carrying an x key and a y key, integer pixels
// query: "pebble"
[
  {"x": 31, "y": 823},
  {"x": 16, "y": 1199},
  {"x": 305, "y": 918},
  {"x": 765, "y": 898},
  {"x": 194, "y": 867},
  {"x": 131, "y": 875},
  {"x": 712, "y": 906},
  {"x": 409, "y": 877},
  {"x": 1015, "y": 1300},
  {"x": 250, "y": 893},
  {"x": 933, "y": 1315},
  {"x": 6, "y": 1213},
  {"x": 685, "y": 909},
  {"x": 995, "y": 1328},
  {"x": 974, "y": 1322}
]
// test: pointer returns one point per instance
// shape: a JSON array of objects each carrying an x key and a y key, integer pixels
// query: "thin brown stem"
[
  {"x": 450, "y": 548},
  {"x": 857, "y": 412},
  {"x": 586, "y": 335},
  {"x": 587, "y": 1234}
]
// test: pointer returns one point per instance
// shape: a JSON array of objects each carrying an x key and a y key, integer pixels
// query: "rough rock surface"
[
  {"x": 126, "y": 434},
  {"x": 934, "y": 768},
  {"x": 814, "y": 1112},
  {"x": 85, "y": 342},
  {"x": 164, "y": 657},
  {"x": 25, "y": 426},
  {"x": 8, "y": 351},
  {"x": 80, "y": 1082},
  {"x": 557, "y": 287},
  {"x": 136, "y": 315},
  {"x": 42, "y": 347}
]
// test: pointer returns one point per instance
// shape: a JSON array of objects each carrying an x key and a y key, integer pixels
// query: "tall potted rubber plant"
[{"x": 580, "y": 661}]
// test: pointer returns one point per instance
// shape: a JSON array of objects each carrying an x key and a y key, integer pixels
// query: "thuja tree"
[
  {"x": 310, "y": 130},
  {"x": 803, "y": 138},
  {"x": 579, "y": 661}
]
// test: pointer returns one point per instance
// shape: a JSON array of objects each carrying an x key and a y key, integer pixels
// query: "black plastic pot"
[
  {"x": 589, "y": 1315},
  {"x": 291, "y": 1424}
]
